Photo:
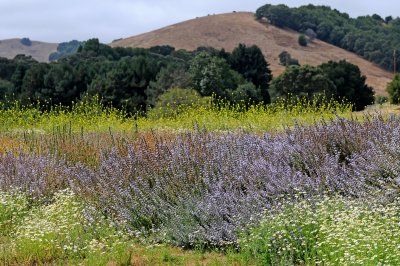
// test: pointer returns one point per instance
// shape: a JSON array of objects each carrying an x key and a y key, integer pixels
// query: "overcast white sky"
[{"x": 64, "y": 20}]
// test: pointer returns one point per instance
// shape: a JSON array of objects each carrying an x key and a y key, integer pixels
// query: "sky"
[{"x": 65, "y": 20}]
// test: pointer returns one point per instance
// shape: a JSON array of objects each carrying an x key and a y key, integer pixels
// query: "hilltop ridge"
[
  {"x": 40, "y": 51},
  {"x": 228, "y": 30}
]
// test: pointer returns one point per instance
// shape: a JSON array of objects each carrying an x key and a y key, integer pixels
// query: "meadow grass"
[
  {"x": 63, "y": 230},
  {"x": 326, "y": 231}
]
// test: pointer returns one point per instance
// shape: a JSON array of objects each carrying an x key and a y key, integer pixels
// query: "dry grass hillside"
[
  {"x": 38, "y": 50},
  {"x": 228, "y": 30}
]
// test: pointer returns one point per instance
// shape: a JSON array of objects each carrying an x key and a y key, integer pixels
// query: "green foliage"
[
  {"x": 251, "y": 64},
  {"x": 212, "y": 75},
  {"x": 26, "y": 41},
  {"x": 177, "y": 100},
  {"x": 65, "y": 49},
  {"x": 175, "y": 74},
  {"x": 33, "y": 78},
  {"x": 6, "y": 88},
  {"x": 302, "y": 40},
  {"x": 350, "y": 83},
  {"x": 300, "y": 81},
  {"x": 162, "y": 49},
  {"x": 286, "y": 59},
  {"x": 381, "y": 99},
  {"x": 246, "y": 93},
  {"x": 368, "y": 36},
  {"x": 279, "y": 15},
  {"x": 393, "y": 88},
  {"x": 341, "y": 80},
  {"x": 133, "y": 78},
  {"x": 124, "y": 85}
]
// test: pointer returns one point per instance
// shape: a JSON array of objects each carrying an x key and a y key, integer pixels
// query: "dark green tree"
[
  {"x": 246, "y": 93},
  {"x": 286, "y": 59},
  {"x": 279, "y": 15},
  {"x": 388, "y": 19},
  {"x": 172, "y": 76},
  {"x": 6, "y": 89},
  {"x": 302, "y": 40},
  {"x": 300, "y": 81},
  {"x": 94, "y": 48},
  {"x": 125, "y": 84},
  {"x": 26, "y": 41},
  {"x": 162, "y": 49},
  {"x": 349, "y": 82},
  {"x": 7, "y": 68},
  {"x": 212, "y": 74},
  {"x": 33, "y": 82},
  {"x": 393, "y": 88},
  {"x": 60, "y": 84},
  {"x": 251, "y": 64}
]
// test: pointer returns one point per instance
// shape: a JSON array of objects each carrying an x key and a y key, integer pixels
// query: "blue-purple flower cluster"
[{"x": 204, "y": 187}]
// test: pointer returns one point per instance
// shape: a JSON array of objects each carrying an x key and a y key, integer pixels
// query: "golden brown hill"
[
  {"x": 38, "y": 50},
  {"x": 228, "y": 30}
]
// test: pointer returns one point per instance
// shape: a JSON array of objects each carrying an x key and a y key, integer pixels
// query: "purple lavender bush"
[
  {"x": 202, "y": 188},
  {"x": 37, "y": 176}
]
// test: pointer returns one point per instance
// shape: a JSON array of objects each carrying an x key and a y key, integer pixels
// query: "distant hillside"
[
  {"x": 371, "y": 36},
  {"x": 38, "y": 50},
  {"x": 228, "y": 30}
]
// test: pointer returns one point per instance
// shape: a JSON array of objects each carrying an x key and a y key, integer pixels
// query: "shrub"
[
  {"x": 393, "y": 88},
  {"x": 176, "y": 100},
  {"x": 302, "y": 81},
  {"x": 201, "y": 188},
  {"x": 26, "y": 41},
  {"x": 381, "y": 99},
  {"x": 302, "y": 40},
  {"x": 286, "y": 59}
]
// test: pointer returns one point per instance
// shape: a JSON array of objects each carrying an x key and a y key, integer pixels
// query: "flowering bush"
[{"x": 202, "y": 188}]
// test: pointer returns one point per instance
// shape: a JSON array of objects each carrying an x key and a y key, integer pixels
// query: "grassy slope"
[
  {"x": 228, "y": 30},
  {"x": 38, "y": 50}
]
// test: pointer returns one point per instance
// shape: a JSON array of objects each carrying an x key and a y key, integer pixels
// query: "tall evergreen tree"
[
  {"x": 349, "y": 82},
  {"x": 251, "y": 63}
]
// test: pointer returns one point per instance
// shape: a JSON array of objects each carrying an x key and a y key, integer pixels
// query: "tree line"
[
  {"x": 372, "y": 37},
  {"x": 136, "y": 78}
]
